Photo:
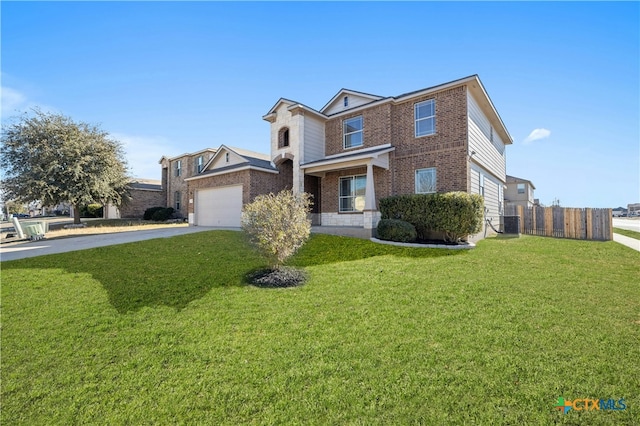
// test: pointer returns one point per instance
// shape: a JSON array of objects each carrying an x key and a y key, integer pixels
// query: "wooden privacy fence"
[{"x": 560, "y": 222}]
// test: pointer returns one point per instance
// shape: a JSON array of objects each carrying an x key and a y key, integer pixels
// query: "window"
[
  {"x": 177, "y": 198},
  {"x": 178, "y": 167},
  {"x": 425, "y": 116},
  {"x": 199, "y": 163},
  {"x": 226, "y": 157},
  {"x": 352, "y": 193},
  {"x": 426, "y": 181},
  {"x": 521, "y": 188},
  {"x": 346, "y": 101},
  {"x": 283, "y": 137},
  {"x": 352, "y": 130},
  {"x": 481, "y": 185}
]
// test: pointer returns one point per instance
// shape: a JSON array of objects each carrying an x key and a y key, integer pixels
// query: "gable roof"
[
  {"x": 250, "y": 159},
  {"x": 346, "y": 92},
  {"x": 472, "y": 82},
  {"x": 513, "y": 179}
]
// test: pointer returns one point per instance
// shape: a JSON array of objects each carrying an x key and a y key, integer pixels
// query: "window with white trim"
[
  {"x": 199, "y": 163},
  {"x": 481, "y": 185},
  {"x": 521, "y": 188},
  {"x": 426, "y": 181},
  {"x": 178, "y": 167},
  {"x": 425, "y": 117},
  {"x": 352, "y": 131},
  {"x": 226, "y": 157},
  {"x": 346, "y": 101},
  {"x": 352, "y": 190}
]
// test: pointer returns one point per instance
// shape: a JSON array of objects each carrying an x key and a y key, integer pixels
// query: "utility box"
[{"x": 512, "y": 225}]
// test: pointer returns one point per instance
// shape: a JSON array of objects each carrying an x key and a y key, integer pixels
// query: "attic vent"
[{"x": 346, "y": 101}]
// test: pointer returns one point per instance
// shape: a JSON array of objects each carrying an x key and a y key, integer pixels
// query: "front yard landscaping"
[{"x": 167, "y": 331}]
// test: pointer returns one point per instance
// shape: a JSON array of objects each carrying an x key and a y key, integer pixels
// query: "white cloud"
[
  {"x": 537, "y": 134},
  {"x": 143, "y": 154},
  {"x": 12, "y": 101}
]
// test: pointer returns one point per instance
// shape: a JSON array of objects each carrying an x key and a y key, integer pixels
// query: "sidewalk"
[
  {"x": 24, "y": 249},
  {"x": 627, "y": 241}
]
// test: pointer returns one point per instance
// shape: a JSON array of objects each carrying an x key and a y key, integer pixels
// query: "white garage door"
[{"x": 218, "y": 206}]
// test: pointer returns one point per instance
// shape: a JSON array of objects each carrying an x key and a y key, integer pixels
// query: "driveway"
[{"x": 23, "y": 249}]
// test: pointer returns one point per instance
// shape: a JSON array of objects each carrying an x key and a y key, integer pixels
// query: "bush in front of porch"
[{"x": 454, "y": 215}]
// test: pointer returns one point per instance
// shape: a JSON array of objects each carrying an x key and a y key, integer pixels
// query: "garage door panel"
[{"x": 219, "y": 206}]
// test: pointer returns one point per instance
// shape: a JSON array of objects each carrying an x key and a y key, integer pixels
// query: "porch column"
[
  {"x": 370, "y": 214},
  {"x": 369, "y": 192}
]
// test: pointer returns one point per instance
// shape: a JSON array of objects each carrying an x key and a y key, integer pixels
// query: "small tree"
[
  {"x": 51, "y": 158},
  {"x": 277, "y": 224}
]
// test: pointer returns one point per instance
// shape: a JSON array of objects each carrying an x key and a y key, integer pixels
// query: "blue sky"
[{"x": 167, "y": 78}]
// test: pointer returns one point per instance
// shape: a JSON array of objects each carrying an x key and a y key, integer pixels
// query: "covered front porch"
[{"x": 358, "y": 208}]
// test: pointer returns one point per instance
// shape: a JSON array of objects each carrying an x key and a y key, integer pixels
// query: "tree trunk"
[{"x": 76, "y": 215}]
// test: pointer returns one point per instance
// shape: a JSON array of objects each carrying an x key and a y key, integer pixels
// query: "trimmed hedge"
[
  {"x": 396, "y": 230},
  {"x": 148, "y": 213},
  {"x": 162, "y": 214},
  {"x": 456, "y": 214}
]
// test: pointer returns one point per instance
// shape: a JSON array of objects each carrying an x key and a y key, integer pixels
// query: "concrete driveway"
[{"x": 23, "y": 249}]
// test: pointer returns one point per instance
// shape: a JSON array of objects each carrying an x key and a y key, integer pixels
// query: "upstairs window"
[
  {"x": 352, "y": 132},
  {"x": 178, "y": 167},
  {"x": 199, "y": 163},
  {"x": 352, "y": 190},
  {"x": 521, "y": 188},
  {"x": 283, "y": 137},
  {"x": 425, "y": 117},
  {"x": 226, "y": 157},
  {"x": 426, "y": 181},
  {"x": 346, "y": 101}
]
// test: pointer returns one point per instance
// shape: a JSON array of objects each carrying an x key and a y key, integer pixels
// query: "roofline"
[
  {"x": 350, "y": 156},
  {"x": 520, "y": 179},
  {"x": 351, "y": 92},
  {"x": 233, "y": 170},
  {"x": 186, "y": 154}
]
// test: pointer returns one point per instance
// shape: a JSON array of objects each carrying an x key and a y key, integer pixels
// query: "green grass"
[
  {"x": 627, "y": 233},
  {"x": 167, "y": 332}
]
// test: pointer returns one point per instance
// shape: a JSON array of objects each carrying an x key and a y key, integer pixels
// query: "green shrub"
[
  {"x": 91, "y": 210},
  {"x": 396, "y": 230},
  {"x": 278, "y": 224},
  {"x": 148, "y": 213},
  {"x": 162, "y": 214},
  {"x": 455, "y": 214}
]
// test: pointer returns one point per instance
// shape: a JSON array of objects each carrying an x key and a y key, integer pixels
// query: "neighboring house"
[
  {"x": 358, "y": 149},
  {"x": 175, "y": 171},
  {"x": 519, "y": 192},
  {"x": 144, "y": 193},
  {"x": 634, "y": 209}
]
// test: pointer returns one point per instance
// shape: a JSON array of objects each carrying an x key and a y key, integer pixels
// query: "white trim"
[
  {"x": 416, "y": 106},
  {"x": 363, "y": 151},
  {"x": 415, "y": 178},
  {"x": 345, "y": 133},
  {"x": 348, "y": 92},
  {"x": 239, "y": 169}
]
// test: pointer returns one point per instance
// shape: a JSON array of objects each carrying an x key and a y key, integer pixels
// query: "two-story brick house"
[
  {"x": 174, "y": 172},
  {"x": 359, "y": 148}
]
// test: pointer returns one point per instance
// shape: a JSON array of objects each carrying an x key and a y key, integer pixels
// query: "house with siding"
[
  {"x": 355, "y": 150},
  {"x": 519, "y": 192}
]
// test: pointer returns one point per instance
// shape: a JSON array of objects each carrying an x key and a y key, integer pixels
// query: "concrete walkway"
[
  {"x": 627, "y": 241},
  {"x": 24, "y": 249}
]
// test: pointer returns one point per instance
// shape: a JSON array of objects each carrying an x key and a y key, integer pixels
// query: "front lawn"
[{"x": 167, "y": 332}]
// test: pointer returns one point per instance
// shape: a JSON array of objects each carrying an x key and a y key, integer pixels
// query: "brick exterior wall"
[
  {"x": 254, "y": 182},
  {"x": 446, "y": 150},
  {"x": 141, "y": 200},
  {"x": 376, "y": 129},
  {"x": 172, "y": 183}
]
